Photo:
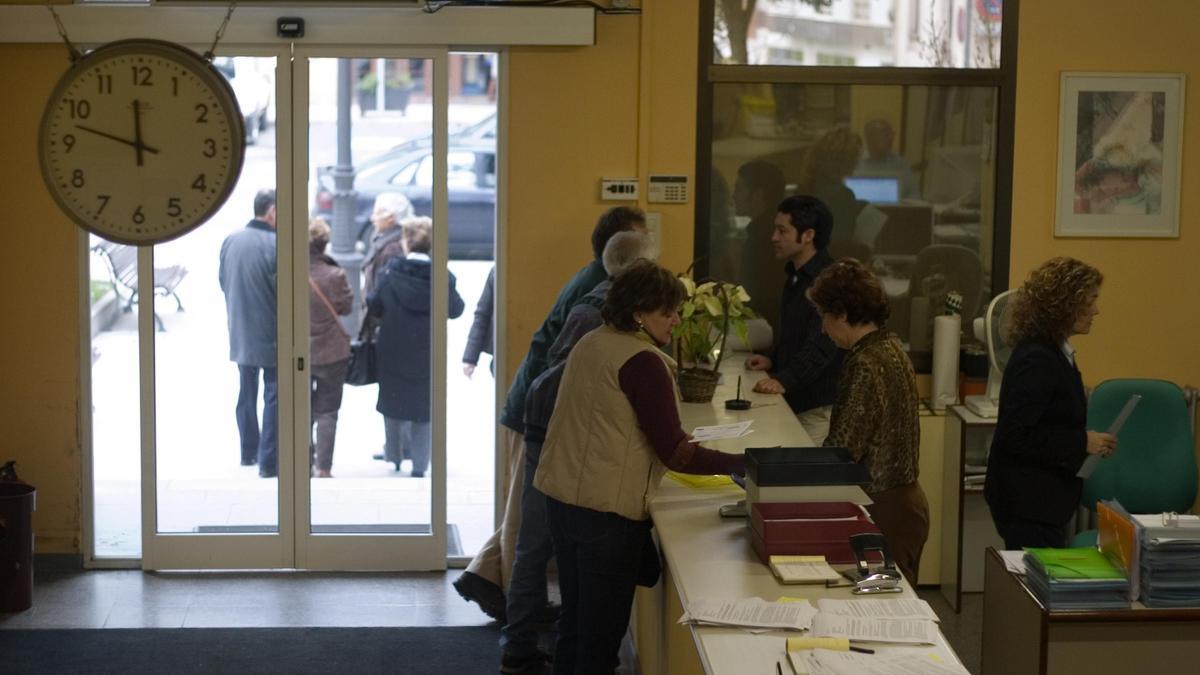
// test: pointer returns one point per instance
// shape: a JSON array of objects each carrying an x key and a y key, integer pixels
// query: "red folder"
[{"x": 808, "y": 528}]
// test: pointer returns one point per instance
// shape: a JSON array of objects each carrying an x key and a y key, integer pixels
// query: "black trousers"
[{"x": 1019, "y": 533}]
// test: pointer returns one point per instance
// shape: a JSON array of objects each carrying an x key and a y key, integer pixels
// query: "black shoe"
[
  {"x": 249, "y": 462},
  {"x": 511, "y": 664},
  {"x": 489, "y": 597},
  {"x": 415, "y": 474},
  {"x": 267, "y": 474},
  {"x": 379, "y": 457}
]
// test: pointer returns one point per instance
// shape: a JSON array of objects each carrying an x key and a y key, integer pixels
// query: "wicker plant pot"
[{"x": 697, "y": 385}]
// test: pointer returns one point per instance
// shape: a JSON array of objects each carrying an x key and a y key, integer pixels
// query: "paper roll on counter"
[{"x": 946, "y": 333}]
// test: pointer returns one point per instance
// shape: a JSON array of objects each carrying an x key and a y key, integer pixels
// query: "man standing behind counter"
[{"x": 804, "y": 364}]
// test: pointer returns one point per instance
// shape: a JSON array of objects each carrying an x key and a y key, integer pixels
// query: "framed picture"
[{"x": 1119, "y": 155}]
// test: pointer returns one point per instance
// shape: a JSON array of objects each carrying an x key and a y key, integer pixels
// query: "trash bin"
[{"x": 16, "y": 546}]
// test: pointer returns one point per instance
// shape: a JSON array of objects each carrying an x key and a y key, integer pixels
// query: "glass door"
[
  {"x": 370, "y": 145},
  {"x": 216, "y": 353}
]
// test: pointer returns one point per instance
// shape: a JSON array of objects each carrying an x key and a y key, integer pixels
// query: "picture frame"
[{"x": 1120, "y": 152}]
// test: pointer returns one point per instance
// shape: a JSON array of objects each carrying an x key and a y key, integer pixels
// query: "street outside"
[{"x": 200, "y": 481}]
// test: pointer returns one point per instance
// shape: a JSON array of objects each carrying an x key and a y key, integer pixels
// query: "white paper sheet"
[
  {"x": 1014, "y": 561},
  {"x": 719, "y": 431},
  {"x": 878, "y": 608},
  {"x": 750, "y": 613},
  {"x": 826, "y": 662},
  {"x": 905, "y": 631}
]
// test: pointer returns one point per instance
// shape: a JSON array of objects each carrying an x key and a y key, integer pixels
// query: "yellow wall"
[
  {"x": 39, "y": 360},
  {"x": 1150, "y": 319},
  {"x": 624, "y": 107}
]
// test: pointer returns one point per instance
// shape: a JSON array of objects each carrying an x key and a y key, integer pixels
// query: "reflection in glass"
[
  {"x": 907, "y": 172},
  {"x": 865, "y": 33}
]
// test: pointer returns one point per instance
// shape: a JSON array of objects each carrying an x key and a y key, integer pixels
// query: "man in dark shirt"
[{"x": 804, "y": 365}]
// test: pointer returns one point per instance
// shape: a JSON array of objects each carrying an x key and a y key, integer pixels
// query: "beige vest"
[{"x": 596, "y": 455}]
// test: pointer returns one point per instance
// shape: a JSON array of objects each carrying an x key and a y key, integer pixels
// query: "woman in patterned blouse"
[{"x": 875, "y": 409}]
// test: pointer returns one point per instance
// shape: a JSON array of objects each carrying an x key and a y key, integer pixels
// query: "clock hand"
[
  {"x": 115, "y": 138},
  {"x": 137, "y": 131}
]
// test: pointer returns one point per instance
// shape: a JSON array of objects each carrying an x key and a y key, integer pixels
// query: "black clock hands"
[
  {"x": 138, "y": 145},
  {"x": 118, "y": 139}
]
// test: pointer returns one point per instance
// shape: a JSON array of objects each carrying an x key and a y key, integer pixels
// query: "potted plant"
[
  {"x": 396, "y": 90},
  {"x": 366, "y": 90},
  {"x": 710, "y": 310}
]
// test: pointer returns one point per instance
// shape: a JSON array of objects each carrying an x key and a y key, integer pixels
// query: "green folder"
[{"x": 1074, "y": 563}]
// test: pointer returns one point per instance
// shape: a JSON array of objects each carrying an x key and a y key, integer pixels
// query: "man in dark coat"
[
  {"x": 402, "y": 300},
  {"x": 248, "y": 277},
  {"x": 481, "y": 339}
]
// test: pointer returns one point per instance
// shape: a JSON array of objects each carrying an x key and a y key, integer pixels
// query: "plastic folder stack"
[
  {"x": 1170, "y": 560},
  {"x": 1075, "y": 578}
]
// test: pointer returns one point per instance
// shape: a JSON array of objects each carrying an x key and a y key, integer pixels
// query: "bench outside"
[{"x": 122, "y": 268}]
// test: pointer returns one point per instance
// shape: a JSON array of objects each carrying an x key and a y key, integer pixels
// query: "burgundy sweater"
[{"x": 647, "y": 384}]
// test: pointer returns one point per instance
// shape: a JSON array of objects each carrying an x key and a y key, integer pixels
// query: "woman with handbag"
[
  {"x": 402, "y": 301},
  {"x": 330, "y": 297}
]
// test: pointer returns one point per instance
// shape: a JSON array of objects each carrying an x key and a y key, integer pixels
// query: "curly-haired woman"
[
  {"x": 1041, "y": 439},
  {"x": 875, "y": 407}
]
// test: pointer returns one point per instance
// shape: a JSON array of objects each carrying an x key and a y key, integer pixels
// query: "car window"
[
  {"x": 460, "y": 171},
  {"x": 405, "y": 175}
]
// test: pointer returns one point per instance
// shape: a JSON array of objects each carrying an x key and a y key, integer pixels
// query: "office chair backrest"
[{"x": 1154, "y": 468}]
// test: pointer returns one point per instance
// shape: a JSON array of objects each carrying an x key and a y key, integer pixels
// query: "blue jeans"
[
  {"x": 599, "y": 558},
  {"x": 527, "y": 587},
  {"x": 262, "y": 447}
]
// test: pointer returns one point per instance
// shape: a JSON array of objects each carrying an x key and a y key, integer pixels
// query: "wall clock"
[{"x": 141, "y": 141}]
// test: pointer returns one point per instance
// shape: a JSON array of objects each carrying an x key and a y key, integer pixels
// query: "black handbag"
[{"x": 363, "y": 368}]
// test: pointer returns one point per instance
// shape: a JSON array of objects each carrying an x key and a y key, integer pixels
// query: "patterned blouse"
[{"x": 875, "y": 411}]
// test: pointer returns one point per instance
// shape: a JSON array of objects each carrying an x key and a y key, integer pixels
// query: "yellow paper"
[
  {"x": 699, "y": 481},
  {"x": 837, "y": 644},
  {"x": 788, "y": 598}
]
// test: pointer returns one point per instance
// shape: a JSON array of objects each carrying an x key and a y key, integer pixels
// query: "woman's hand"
[
  {"x": 1099, "y": 443},
  {"x": 468, "y": 369},
  {"x": 758, "y": 362}
]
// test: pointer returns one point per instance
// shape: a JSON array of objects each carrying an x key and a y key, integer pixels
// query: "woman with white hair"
[{"x": 390, "y": 209}]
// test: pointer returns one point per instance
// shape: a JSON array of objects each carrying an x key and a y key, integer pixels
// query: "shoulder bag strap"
[{"x": 328, "y": 305}]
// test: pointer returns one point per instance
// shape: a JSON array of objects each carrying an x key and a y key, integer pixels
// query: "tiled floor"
[{"x": 133, "y": 599}]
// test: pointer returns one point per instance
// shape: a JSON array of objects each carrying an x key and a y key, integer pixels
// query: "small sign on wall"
[{"x": 666, "y": 189}]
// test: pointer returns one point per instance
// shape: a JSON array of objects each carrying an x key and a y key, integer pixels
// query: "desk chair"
[{"x": 1154, "y": 468}]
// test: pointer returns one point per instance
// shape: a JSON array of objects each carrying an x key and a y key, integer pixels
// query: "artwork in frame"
[{"x": 1119, "y": 155}]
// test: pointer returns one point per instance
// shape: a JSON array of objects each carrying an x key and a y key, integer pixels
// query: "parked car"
[
  {"x": 408, "y": 169},
  {"x": 253, "y": 90}
]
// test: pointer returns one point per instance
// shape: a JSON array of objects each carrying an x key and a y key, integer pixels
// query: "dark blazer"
[
  {"x": 403, "y": 298},
  {"x": 481, "y": 338},
  {"x": 805, "y": 360},
  {"x": 1041, "y": 437}
]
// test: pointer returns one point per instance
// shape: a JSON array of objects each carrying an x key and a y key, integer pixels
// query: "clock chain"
[{"x": 76, "y": 54}]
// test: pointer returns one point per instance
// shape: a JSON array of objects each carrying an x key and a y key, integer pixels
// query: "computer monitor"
[{"x": 875, "y": 189}]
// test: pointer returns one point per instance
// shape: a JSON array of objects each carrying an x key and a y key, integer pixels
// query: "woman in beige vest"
[
  {"x": 875, "y": 408},
  {"x": 614, "y": 433}
]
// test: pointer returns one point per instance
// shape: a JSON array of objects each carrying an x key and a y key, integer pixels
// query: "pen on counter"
[
  {"x": 778, "y": 668},
  {"x": 861, "y": 650},
  {"x": 739, "y": 395}
]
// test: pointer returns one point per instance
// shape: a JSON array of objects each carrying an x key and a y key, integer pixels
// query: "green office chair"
[{"x": 1154, "y": 468}]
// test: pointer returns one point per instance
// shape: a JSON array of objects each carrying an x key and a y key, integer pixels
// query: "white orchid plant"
[{"x": 706, "y": 315}]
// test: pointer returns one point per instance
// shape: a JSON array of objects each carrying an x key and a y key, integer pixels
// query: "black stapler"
[{"x": 884, "y": 578}]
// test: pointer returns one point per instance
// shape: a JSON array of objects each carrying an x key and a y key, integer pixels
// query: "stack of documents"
[
  {"x": 1075, "y": 578},
  {"x": 1170, "y": 560},
  {"x": 751, "y": 613}
]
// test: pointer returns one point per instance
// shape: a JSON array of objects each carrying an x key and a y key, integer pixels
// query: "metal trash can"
[{"x": 17, "y": 503}]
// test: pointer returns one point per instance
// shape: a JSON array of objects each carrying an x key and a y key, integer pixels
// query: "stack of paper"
[
  {"x": 803, "y": 569},
  {"x": 1170, "y": 560},
  {"x": 718, "y": 431},
  {"x": 1075, "y": 578},
  {"x": 754, "y": 613},
  {"x": 826, "y": 662}
]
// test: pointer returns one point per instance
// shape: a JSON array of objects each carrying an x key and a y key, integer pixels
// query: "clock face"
[{"x": 141, "y": 141}]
